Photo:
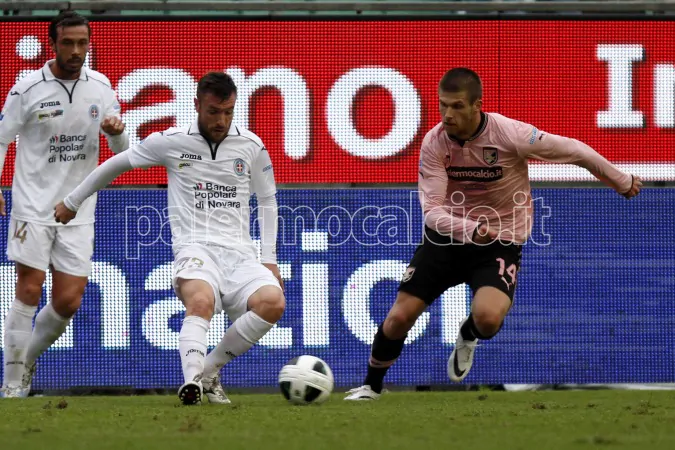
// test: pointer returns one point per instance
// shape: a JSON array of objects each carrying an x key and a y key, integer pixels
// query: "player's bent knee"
[
  {"x": 269, "y": 303},
  {"x": 398, "y": 323},
  {"x": 198, "y": 298},
  {"x": 29, "y": 292},
  {"x": 200, "y": 304},
  {"x": 67, "y": 305},
  {"x": 29, "y": 284},
  {"x": 403, "y": 315},
  {"x": 273, "y": 309},
  {"x": 488, "y": 321},
  {"x": 489, "y": 307},
  {"x": 67, "y": 292}
]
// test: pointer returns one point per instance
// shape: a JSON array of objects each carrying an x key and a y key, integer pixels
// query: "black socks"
[{"x": 384, "y": 353}]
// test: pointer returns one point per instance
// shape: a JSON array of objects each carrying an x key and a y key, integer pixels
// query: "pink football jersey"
[{"x": 486, "y": 179}]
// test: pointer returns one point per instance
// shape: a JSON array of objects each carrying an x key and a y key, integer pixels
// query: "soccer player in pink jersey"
[{"x": 475, "y": 195}]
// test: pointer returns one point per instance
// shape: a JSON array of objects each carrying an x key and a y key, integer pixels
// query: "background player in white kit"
[
  {"x": 58, "y": 113},
  {"x": 480, "y": 158},
  {"x": 213, "y": 166}
]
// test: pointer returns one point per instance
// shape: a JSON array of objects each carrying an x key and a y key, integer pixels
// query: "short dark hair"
[
  {"x": 217, "y": 83},
  {"x": 67, "y": 19},
  {"x": 462, "y": 79}
]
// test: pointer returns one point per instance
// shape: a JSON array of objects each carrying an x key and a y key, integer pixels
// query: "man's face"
[
  {"x": 215, "y": 115},
  {"x": 460, "y": 116},
  {"x": 71, "y": 47}
]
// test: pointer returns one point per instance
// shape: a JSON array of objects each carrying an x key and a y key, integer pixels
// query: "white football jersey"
[
  {"x": 209, "y": 185},
  {"x": 58, "y": 124}
]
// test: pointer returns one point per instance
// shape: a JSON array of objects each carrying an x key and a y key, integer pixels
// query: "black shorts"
[{"x": 437, "y": 265}]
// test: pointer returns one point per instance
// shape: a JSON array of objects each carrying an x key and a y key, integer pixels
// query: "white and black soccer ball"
[{"x": 306, "y": 380}]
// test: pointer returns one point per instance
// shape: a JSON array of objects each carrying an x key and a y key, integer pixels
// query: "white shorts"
[
  {"x": 233, "y": 276},
  {"x": 67, "y": 249}
]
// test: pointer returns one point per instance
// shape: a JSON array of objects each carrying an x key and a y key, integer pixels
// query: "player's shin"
[
  {"x": 383, "y": 355},
  {"x": 49, "y": 326},
  {"x": 18, "y": 326},
  {"x": 192, "y": 345},
  {"x": 244, "y": 333}
]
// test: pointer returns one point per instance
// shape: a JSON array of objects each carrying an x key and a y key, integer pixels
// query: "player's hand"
[
  {"x": 634, "y": 188},
  {"x": 112, "y": 125},
  {"x": 485, "y": 235},
  {"x": 62, "y": 214},
  {"x": 275, "y": 270},
  {"x": 2, "y": 205}
]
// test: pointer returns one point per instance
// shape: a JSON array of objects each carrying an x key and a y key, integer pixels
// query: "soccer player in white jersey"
[
  {"x": 213, "y": 167},
  {"x": 58, "y": 113},
  {"x": 478, "y": 161}
]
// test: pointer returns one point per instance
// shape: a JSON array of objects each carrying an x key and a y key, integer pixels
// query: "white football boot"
[
  {"x": 363, "y": 393},
  {"x": 214, "y": 390},
  {"x": 12, "y": 392},
  {"x": 461, "y": 358},
  {"x": 27, "y": 379},
  {"x": 191, "y": 392}
]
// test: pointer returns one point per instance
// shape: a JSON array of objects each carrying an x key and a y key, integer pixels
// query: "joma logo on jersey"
[
  {"x": 189, "y": 156},
  {"x": 48, "y": 104}
]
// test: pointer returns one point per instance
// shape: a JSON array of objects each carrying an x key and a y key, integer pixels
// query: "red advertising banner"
[{"x": 349, "y": 102}]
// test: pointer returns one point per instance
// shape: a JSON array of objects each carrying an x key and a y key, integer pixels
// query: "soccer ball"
[{"x": 306, "y": 379}]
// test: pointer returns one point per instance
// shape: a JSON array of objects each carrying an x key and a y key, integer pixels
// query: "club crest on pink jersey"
[{"x": 490, "y": 155}]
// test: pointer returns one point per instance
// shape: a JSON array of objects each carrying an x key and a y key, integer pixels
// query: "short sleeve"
[{"x": 11, "y": 117}]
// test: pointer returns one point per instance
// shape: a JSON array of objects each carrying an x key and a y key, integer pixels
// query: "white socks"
[
  {"x": 49, "y": 326},
  {"x": 18, "y": 327},
  {"x": 192, "y": 346},
  {"x": 241, "y": 336}
]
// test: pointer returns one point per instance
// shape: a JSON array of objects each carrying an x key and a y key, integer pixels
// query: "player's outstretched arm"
[
  {"x": 265, "y": 188},
  {"x": 150, "y": 152},
  {"x": 268, "y": 216},
  {"x": 104, "y": 174},
  {"x": 533, "y": 143}
]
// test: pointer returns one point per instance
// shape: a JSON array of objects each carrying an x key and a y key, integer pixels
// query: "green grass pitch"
[{"x": 399, "y": 420}]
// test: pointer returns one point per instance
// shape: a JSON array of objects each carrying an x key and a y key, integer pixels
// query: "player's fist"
[
  {"x": 2, "y": 205},
  {"x": 112, "y": 125},
  {"x": 635, "y": 187},
  {"x": 62, "y": 214},
  {"x": 275, "y": 271},
  {"x": 485, "y": 235}
]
